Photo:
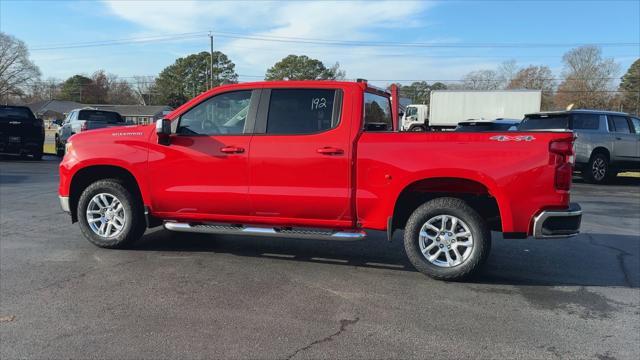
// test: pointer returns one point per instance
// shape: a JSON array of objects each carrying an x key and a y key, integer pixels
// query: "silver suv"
[
  {"x": 84, "y": 119},
  {"x": 606, "y": 142}
]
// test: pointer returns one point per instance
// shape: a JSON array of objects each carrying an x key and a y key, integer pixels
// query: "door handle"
[
  {"x": 232, "y": 150},
  {"x": 330, "y": 151}
]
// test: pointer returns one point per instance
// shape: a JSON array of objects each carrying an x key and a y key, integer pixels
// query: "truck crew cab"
[{"x": 318, "y": 159}]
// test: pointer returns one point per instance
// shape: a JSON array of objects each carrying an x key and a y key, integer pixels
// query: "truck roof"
[
  {"x": 577, "y": 111},
  {"x": 488, "y": 91},
  {"x": 300, "y": 83}
]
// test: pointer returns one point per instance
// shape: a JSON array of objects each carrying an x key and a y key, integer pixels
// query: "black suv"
[{"x": 20, "y": 132}]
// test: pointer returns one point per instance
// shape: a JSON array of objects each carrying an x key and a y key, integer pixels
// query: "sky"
[{"x": 454, "y": 37}]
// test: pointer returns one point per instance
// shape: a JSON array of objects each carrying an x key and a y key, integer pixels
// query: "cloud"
[{"x": 340, "y": 20}]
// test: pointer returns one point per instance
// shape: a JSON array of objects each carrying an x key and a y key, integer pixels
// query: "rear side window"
[
  {"x": 303, "y": 111},
  {"x": 544, "y": 122},
  {"x": 7, "y": 113},
  {"x": 586, "y": 121},
  {"x": 620, "y": 124},
  {"x": 100, "y": 116},
  {"x": 377, "y": 113}
]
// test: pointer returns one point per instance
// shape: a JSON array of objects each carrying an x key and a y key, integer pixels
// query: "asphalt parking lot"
[{"x": 192, "y": 296}]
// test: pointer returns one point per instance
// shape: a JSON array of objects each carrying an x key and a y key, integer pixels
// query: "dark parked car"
[
  {"x": 606, "y": 142},
  {"x": 20, "y": 132},
  {"x": 488, "y": 125},
  {"x": 85, "y": 119}
]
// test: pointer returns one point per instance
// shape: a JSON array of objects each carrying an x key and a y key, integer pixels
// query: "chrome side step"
[{"x": 295, "y": 233}]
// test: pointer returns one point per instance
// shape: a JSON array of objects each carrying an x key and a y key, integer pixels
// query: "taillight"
[
  {"x": 83, "y": 127},
  {"x": 562, "y": 150}
]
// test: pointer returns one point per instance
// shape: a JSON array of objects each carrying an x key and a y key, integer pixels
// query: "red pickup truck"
[{"x": 322, "y": 160}]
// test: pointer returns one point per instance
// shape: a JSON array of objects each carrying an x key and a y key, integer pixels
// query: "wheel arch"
[
  {"x": 90, "y": 174},
  {"x": 483, "y": 197},
  {"x": 600, "y": 150}
]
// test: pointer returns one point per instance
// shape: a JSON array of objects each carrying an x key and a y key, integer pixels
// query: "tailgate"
[
  {"x": 92, "y": 125},
  {"x": 16, "y": 129}
]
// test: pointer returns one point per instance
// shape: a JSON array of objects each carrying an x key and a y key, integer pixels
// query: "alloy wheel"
[
  {"x": 599, "y": 169},
  {"x": 105, "y": 215},
  {"x": 445, "y": 241}
]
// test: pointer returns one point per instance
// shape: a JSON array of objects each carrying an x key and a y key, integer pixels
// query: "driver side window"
[{"x": 223, "y": 114}]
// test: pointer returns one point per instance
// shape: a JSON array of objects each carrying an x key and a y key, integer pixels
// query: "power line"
[
  {"x": 412, "y": 44},
  {"x": 127, "y": 41},
  {"x": 325, "y": 42}
]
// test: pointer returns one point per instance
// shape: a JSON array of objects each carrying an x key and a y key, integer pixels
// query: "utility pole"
[{"x": 211, "y": 69}]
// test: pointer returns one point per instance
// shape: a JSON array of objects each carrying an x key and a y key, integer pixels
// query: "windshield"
[
  {"x": 7, "y": 113},
  {"x": 544, "y": 122},
  {"x": 100, "y": 116}
]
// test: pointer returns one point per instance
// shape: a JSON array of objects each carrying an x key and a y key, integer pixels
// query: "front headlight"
[{"x": 67, "y": 147}]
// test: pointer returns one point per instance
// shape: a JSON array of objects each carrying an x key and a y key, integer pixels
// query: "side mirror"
[{"x": 163, "y": 129}]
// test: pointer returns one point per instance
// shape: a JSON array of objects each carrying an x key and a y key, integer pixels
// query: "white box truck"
[{"x": 449, "y": 107}]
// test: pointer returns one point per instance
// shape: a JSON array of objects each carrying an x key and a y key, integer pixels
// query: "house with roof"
[
  {"x": 52, "y": 110},
  {"x": 137, "y": 114}
]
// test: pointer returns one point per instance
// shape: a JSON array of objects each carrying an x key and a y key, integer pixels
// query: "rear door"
[
  {"x": 300, "y": 158},
  {"x": 635, "y": 122},
  {"x": 624, "y": 141}
]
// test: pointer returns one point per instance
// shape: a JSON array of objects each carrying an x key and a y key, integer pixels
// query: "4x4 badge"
[{"x": 512, "y": 138}]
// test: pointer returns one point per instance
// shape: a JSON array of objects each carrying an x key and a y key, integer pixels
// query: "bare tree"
[
  {"x": 120, "y": 92},
  {"x": 17, "y": 72},
  {"x": 535, "y": 78},
  {"x": 482, "y": 80},
  {"x": 588, "y": 79},
  {"x": 143, "y": 88},
  {"x": 507, "y": 71},
  {"x": 41, "y": 90}
]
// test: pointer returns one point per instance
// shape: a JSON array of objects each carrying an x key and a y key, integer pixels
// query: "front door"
[
  {"x": 203, "y": 173},
  {"x": 300, "y": 158}
]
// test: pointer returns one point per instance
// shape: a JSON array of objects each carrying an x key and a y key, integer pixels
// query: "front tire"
[
  {"x": 418, "y": 128},
  {"x": 109, "y": 215},
  {"x": 446, "y": 239}
]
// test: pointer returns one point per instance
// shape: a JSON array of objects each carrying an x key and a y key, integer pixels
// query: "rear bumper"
[
  {"x": 558, "y": 223},
  {"x": 64, "y": 203}
]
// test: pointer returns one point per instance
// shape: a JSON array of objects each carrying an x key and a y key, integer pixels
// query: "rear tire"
[
  {"x": 445, "y": 254},
  {"x": 59, "y": 148},
  {"x": 597, "y": 170},
  {"x": 127, "y": 222},
  {"x": 37, "y": 155}
]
